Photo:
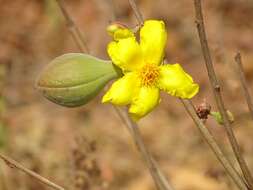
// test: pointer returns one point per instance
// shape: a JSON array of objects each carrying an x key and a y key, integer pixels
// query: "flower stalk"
[{"x": 159, "y": 179}]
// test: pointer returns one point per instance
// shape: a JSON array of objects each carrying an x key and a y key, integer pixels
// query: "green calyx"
[
  {"x": 74, "y": 79},
  {"x": 217, "y": 116}
]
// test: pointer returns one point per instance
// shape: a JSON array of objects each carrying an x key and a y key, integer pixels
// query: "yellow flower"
[{"x": 144, "y": 75}]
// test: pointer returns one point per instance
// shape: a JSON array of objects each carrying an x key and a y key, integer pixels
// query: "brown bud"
[{"x": 203, "y": 110}]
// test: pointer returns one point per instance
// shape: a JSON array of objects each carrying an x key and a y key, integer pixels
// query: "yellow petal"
[
  {"x": 176, "y": 82},
  {"x": 126, "y": 54},
  {"x": 122, "y": 33},
  {"x": 153, "y": 38},
  {"x": 119, "y": 31},
  {"x": 122, "y": 90},
  {"x": 144, "y": 102}
]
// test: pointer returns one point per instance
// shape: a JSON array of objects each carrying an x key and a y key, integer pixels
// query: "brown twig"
[
  {"x": 13, "y": 164},
  {"x": 240, "y": 73},
  {"x": 217, "y": 93},
  {"x": 74, "y": 31},
  {"x": 159, "y": 179},
  {"x": 213, "y": 144},
  {"x": 112, "y": 7},
  {"x": 137, "y": 12}
]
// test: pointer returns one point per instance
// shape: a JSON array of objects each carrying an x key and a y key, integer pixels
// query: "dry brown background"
[{"x": 43, "y": 136}]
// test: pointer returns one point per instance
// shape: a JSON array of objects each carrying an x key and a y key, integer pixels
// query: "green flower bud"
[
  {"x": 73, "y": 79},
  {"x": 217, "y": 116}
]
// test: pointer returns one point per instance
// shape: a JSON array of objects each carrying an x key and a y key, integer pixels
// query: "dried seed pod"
[{"x": 203, "y": 110}]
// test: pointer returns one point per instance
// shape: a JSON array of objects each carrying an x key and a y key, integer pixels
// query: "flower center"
[{"x": 149, "y": 74}]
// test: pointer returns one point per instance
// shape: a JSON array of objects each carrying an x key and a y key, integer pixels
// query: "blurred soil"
[{"x": 88, "y": 147}]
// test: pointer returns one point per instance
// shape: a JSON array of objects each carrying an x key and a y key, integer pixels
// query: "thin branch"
[
  {"x": 213, "y": 145},
  {"x": 74, "y": 31},
  {"x": 112, "y": 6},
  {"x": 13, "y": 164},
  {"x": 243, "y": 81},
  {"x": 137, "y": 12},
  {"x": 217, "y": 93},
  {"x": 159, "y": 179}
]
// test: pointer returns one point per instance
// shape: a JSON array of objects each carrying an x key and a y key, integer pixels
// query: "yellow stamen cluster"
[{"x": 149, "y": 74}]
